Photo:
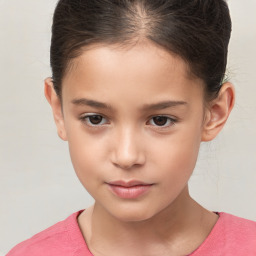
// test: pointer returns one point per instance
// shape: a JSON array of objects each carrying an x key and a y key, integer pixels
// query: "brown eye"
[
  {"x": 93, "y": 120},
  {"x": 96, "y": 119},
  {"x": 162, "y": 121}
]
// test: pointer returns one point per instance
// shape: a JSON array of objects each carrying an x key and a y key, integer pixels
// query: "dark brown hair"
[{"x": 196, "y": 30}]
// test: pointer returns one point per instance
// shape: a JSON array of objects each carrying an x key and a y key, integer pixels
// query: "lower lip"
[{"x": 129, "y": 192}]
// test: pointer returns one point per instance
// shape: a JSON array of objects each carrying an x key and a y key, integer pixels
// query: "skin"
[{"x": 128, "y": 144}]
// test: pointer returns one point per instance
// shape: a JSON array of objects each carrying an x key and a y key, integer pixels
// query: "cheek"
[
  {"x": 86, "y": 154},
  {"x": 174, "y": 167},
  {"x": 177, "y": 155},
  {"x": 86, "y": 160}
]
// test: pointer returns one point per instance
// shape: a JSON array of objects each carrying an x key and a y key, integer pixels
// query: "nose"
[{"x": 128, "y": 150}]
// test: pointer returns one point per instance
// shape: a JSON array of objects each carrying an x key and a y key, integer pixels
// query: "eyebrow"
[
  {"x": 91, "y": 103},
  {"x": 163, "y": 105},
  {"x": 146, "y": 107}
]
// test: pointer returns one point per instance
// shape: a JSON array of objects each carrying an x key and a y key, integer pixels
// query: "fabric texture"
[
  {"x": 62, "y": 239},
  {"x": 231, "y": 236}
]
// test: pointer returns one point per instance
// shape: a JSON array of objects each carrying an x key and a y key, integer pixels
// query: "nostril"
[
  {"x": 122, "y": 166},
  {"x": 127, "y": 162}
]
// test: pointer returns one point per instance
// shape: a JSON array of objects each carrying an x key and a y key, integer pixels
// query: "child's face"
[{"x": 146, "y": 125}]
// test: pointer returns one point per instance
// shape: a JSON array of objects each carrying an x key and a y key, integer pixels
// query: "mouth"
[{"x": 129, "y": 190}]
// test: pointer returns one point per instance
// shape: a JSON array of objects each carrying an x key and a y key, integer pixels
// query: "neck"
[{"x": 178, "y": 229}]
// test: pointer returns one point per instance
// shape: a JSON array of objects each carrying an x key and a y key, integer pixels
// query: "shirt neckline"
[{"x": 81, "y": 243}]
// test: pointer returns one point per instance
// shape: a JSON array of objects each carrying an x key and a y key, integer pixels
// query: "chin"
[{"x": 132, "y": 214}]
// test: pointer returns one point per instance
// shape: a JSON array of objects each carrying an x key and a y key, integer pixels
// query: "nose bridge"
[{"x": 128, "y": 148}]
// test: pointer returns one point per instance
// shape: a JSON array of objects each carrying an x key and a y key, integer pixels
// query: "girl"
[{"x": 136, "y": 86}]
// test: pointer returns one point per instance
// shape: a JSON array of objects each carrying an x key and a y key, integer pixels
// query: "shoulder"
[
  {"x": 236, "y": 235},
  {"x": 63, "y": 238},
  {"x": 231, "y": 235},
  {"x": 237, "y": 227}
]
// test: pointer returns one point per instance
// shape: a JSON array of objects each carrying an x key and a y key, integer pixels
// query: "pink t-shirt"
[{"x": 231, "y": 236}]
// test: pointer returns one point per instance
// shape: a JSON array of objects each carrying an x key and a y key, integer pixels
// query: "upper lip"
[{"x": 127, "y": 184}]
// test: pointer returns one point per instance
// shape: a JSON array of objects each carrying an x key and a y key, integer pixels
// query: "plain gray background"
[{"x": 38, "y": 186}]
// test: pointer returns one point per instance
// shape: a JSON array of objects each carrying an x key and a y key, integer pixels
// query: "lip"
[{"x": 129, "y": 189}]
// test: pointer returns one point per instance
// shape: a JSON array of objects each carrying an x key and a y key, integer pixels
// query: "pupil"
[
  {"x": 160, "y": 120},
  {"x": 95, "y": 119}
]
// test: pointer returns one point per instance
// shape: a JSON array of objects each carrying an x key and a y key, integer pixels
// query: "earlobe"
[
  {"x": 218, "y": 112},
  {"x": 55, "y": 103}
]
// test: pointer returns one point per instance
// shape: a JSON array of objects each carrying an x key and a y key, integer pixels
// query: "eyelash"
[
  {"x": 170, "y": 120},
  {"x": 86, "y": 119}
]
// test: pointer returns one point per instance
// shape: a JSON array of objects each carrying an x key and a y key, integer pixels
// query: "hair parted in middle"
[{"x": 196, "y": 30}]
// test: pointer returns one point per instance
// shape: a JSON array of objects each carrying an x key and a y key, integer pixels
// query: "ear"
[
  {"x": 218, "y": 112},
  {"x": 55, "y": 103}
]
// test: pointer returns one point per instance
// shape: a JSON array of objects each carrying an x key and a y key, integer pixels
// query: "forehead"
[
  {"x": 144, "y": 67},
  {"x": 136, "y": 54}
]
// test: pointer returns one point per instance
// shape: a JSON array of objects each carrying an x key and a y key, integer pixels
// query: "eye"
[
  {"x": 93, "y": 119},
  {"x": 162, "y": 121}
]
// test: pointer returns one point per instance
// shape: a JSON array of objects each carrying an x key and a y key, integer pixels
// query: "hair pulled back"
[{"x": 196, "y": 30}]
